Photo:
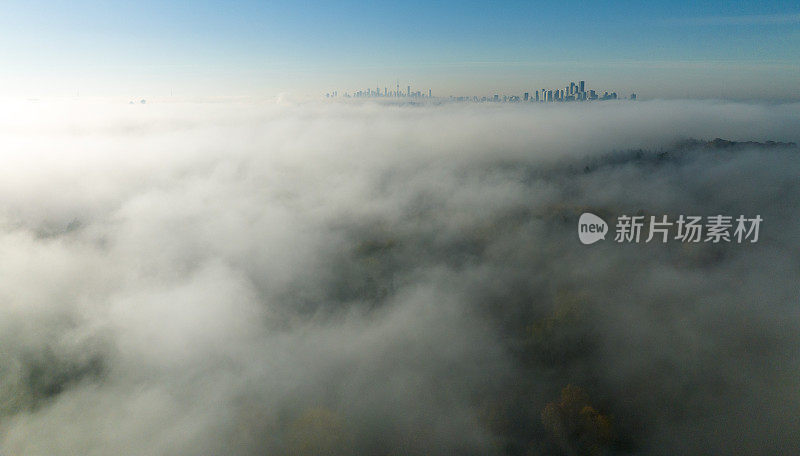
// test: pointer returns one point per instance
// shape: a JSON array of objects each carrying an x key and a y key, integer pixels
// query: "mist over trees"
[{"x": 338, "y": 279}]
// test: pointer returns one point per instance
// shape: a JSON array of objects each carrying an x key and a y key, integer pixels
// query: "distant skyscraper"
[{"x": 572, "y": 92}]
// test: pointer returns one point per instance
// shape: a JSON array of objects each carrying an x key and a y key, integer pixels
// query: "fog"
[{"x": 307, "y": 278}]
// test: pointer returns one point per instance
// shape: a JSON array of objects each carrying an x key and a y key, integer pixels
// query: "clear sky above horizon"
[{"x": 713, "y": 49}]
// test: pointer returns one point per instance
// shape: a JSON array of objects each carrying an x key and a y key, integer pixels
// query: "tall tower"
[{"x": 397, "y": 93}]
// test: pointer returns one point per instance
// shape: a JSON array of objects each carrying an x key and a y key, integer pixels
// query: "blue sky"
[{"x": 149, "y": 48}]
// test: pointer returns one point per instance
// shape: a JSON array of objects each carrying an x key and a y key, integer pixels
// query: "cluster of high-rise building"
[
  {"x": 572, "y": 92},
  {"x": 386, "y": 93}
]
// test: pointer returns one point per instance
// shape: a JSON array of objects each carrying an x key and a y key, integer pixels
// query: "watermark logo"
[
  {"x": 686, "y": 229},
  {"x": 591, "y": 228}
]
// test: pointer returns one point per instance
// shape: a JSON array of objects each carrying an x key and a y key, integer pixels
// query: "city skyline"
[
  {"x": 748, "y": 50},
  {"x": 572, "y": 92}
]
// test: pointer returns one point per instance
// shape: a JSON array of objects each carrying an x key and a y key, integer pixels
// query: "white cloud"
[{"x": 216, "y": 278}]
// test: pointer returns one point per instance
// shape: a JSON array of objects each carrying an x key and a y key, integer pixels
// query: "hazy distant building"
[{"x": 572, "y": 92}]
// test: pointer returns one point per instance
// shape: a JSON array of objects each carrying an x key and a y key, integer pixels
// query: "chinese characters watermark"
[{"x": 686, "y": 228}]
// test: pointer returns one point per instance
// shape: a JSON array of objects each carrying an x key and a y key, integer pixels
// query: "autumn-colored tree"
[{"x": 575, "y": 426}]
